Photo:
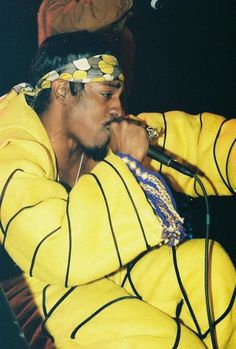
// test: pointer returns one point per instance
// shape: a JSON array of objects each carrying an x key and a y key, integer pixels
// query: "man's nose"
[{"x": 116, "y": 109}]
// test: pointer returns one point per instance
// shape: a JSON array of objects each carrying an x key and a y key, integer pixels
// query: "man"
[
  {"x": 107, "y": 16},
  {"x": 90, "y": 227}
]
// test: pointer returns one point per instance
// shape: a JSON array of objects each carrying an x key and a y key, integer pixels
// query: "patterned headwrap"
[{"x": 97, "y": 68}]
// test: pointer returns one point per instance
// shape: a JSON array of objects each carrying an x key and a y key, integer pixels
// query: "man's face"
[{"x": 90, "y": 113}]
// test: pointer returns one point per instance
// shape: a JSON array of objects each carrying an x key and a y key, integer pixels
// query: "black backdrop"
[
  {"x": 185, "y": 60},
  {"x": 186, "y": 53}
]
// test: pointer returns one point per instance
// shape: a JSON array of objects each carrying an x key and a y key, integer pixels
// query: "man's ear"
[{"x": 60, "y": 90}]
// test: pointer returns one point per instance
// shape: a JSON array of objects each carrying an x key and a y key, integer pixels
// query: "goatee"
[{"x": 97, "y": 153}]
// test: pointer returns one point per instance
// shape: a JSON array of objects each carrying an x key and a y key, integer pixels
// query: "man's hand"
[{"x": 128, "y": 135}]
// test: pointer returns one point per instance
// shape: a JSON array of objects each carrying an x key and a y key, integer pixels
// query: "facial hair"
[{"x": 97, "y": 153}]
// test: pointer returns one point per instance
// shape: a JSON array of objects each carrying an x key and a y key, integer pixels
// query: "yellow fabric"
[
  {"x": 43, "y": 214},
  {"x": 66, "y": 240},
  {"x": 155, "y": 280},
  {"x": 103, "y": 315},
  {"x": 127, "y": 323},
  {"x": 191, "y": 140}
]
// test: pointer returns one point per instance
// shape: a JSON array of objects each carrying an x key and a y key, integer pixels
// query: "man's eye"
[{"x": 106, "y": 95}]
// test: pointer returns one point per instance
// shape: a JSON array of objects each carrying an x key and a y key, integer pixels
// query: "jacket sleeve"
[
  {"x": 205, "y": 142},
  {"x": 71, "y": 239}
]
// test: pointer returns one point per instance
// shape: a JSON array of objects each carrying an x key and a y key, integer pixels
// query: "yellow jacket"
[
  {"x": 60, "y": 238},
  {"x": 72, "y": 239},
  {"x": 206, "y": 142}
]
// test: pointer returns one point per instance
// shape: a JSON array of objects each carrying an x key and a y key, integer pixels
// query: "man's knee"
[{"x": 195, "y": 249}]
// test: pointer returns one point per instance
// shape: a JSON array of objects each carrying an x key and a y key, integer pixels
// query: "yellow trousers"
[{"x": 145, "y": 307}]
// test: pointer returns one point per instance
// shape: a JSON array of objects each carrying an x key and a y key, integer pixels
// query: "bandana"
[
  {"x": 97, "y": 68},
  {"x": 93, "y": 69}
]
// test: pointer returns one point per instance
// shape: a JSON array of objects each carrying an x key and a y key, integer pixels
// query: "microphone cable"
[
  {"x": 160, "y": 156},
  {"x": 206, "y": 274},
  {"x": 206, "y": 264}
]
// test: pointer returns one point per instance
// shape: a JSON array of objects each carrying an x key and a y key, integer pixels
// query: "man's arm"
[
  {"x": 70, "y": 239},
  {"x": 206, "y": 142}
]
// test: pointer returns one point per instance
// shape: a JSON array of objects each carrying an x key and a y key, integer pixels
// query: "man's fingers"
[{"x": 129, "y": 121}]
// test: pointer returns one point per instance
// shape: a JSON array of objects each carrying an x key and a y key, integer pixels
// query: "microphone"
[{"x": 157, "y": 154}]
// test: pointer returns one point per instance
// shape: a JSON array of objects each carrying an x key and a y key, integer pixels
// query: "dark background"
[
  {"x": 185, "y": 59},
  {"x": 186, "y": 53}
]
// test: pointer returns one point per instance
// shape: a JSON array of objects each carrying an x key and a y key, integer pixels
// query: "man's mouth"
[
  {"x": 107, "y": 125},
  {"x": 116, "y": 119}
]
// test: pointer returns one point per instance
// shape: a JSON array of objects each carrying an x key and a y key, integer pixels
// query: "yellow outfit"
[{"x": 75, "y": 249}]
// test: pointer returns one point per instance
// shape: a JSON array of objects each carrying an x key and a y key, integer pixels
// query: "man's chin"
[{"x": 97, "y": 153}]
